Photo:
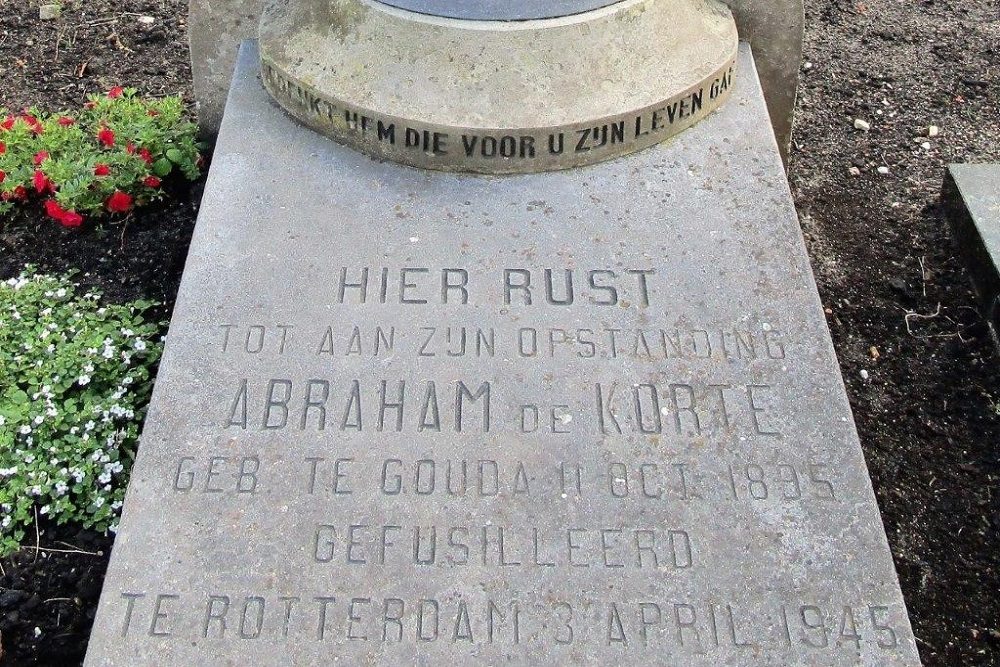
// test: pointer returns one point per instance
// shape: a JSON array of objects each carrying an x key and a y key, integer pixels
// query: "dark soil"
[
  {"x": 929, "y": 412},
  {"x": 48, "y": 597}
]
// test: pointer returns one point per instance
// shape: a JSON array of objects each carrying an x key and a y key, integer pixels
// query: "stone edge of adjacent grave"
[
  {"x": 774, "y": 28},
  {"x": 980, "y": 249}
]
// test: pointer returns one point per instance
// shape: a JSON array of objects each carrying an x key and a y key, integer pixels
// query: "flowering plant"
[
  {"x": 75, "y": 377},
  {"x": 113, "y": 155}
]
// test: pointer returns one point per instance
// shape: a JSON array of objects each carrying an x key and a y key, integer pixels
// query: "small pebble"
[
  {"x": 49, "y": 12},
  {"x": 864, "y": 374},
  {"x": 807, "y": 65},
  {"x": 933, "y": 131},
  {"x": 146, "y": 20},
  {"x": 38, "y": 631},
  {"x": 883, "y": 170},
  {"x": 862, "y": 125},
  {"x": 854, "y": 171},
  {"x": 926, "y": 145}
]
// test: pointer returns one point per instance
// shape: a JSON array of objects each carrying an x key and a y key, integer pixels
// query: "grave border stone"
[{"x": 971, "y": 200}]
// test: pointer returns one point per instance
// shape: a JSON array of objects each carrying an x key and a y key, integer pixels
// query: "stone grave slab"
[
  {"x": 582, "y": 417},
  {"x": 972, "y": 202}
]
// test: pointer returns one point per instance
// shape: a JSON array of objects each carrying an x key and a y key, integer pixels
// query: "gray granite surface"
[
  {"x": 972, "y": 203},
  {"x": 386, "y": 432}
]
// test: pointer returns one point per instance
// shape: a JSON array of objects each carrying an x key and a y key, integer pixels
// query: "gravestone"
[
  {"x": 971, "y": 198},
  {"x": 590, "y": 415}
]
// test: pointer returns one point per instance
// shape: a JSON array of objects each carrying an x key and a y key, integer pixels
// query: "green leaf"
[
  {"x": 175, "y": 155},
  {"x": 162, "y": 167}
]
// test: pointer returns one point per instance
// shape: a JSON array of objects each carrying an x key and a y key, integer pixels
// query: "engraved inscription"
[{"x": 498, "y": 151}]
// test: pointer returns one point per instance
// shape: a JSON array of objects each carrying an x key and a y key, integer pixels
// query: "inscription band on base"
[{"x": 496, "y": 150}]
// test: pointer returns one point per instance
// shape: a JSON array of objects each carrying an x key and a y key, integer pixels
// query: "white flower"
[
  {"x": 5, "y": 522},
  {"x": 99, "y": 502},
  {"x": 44, "y": 510},
  {"x": 61, "y": 488},
  {"x": 139, "y": 344},
  {"x": 108, "y": 352},
  {"x": 39, "y": 419},
  {"x": 83, "y": 380},
  {"x": 25, "y": 430},
  {"x": 29, "y": 458},
  {"x": 126, "y": 382},
  {"x": 89, "y": 425},
  {"x": 3, "y": 420}
]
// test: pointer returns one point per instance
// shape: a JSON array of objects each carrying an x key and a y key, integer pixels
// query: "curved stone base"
[{"x": 494, "y": 97}]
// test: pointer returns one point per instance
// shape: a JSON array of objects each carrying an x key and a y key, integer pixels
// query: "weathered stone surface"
[
  {"x": 772, "y": 27},
  {"x": 425, "y": 91},
  {"x": 972, "y": 201},
  {"x": 499, "y": 10},
  {"x": 686, "y": 407}
]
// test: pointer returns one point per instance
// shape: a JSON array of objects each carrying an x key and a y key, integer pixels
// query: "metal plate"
[{"x": 499, "y": 10}]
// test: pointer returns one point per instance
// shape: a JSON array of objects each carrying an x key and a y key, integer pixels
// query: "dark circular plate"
[{"x": 499, "y": 10}]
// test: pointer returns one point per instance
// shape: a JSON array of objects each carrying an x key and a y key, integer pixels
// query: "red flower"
[
  {"x": 115, "y": 93},
  {"x": 130, "y": 148},
  {"x": 149, "y": 181},
  {"x": 65, "y": 218},
  {"x": 152, "y": 113},
  {"x": 3, "y": 148},
  {"x": 89, "y": 105},
  {"x": 32, "y": 122},
  {"x": 40, "y": 157},
  {"x": 65, "y": 121},
  {"x": 146, "y": 156},
  {"x": 119, "y": 202},
  {"x": 42, "y": 183},
  {"x": 71, "y": 219},
  {"x": 8, "y": 122},
  {"x": 3, "y": 175},
  {"x": 106, "y": 137},
  {"x": 101, "y": 170},
  {"x": 17, "y": 193}
]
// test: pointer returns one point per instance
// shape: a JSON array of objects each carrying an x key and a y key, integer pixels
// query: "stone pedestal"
[
  {"x": 584, "y": 417},
  {"x": 498, "y": 97},
  {"x": 772, "y": 27}
]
